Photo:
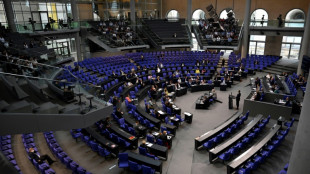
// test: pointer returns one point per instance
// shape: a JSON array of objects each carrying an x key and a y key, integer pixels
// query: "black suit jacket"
[{"x": 34, "y": 156}]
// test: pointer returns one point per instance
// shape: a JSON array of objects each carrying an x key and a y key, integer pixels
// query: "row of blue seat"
[
  {"x": 264, "y": 153},
  {"x": 245, "y": 140},
  {"x": 291, "y": 85},
  {"x": 6, "y": 148},
  {"x": 224, "y": 134},
  {"x": 91, "y": 143},
  {"x": 123, "y": 162},
  {"x": 63, "y": 156},
  {"x": 284, "y": 170},
  {"x": 141, "y": 120},
  {"x": 115, "y": 138},
  {"x": 123, "y": 125},
  {"x": 28, "y": 142}
]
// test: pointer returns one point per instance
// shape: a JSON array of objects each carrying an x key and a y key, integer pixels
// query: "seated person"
[
  {"x": 119, "y": 113},
  {"x": 153, "y": 91},
  {"x": 197, "y": 81},
  {"x": 137, "y": 130},
  {"x": 206, "y": 101},
  {"x": 107, "y": 122},
  {"x": 128, "y": 99},
  {"x": 115, "y": 101},
  {"x": 166, "y": 91},
  {"x": 143, "y": 144},
  {"x": 163, "y": 137},
  {"x": 151, "y": 135},
  {"x": 197, "y": 71},
  {"x": 177, "y": 85},
  {"x": 288, "y": 102},
  {"x": 38, "y": 158},
  {"x": 258, "y": 95},
  {"x": 214, "y": 93}
]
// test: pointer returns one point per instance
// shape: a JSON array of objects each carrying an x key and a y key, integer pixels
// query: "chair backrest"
[
  {"x": 121, "y": 121},
  {"x": 149, "y": 138},
  {"x": 147, "y": 170},
  {"x": 142, "y": 151},
  {"x": 160, "y": 142},
  {"x": 123, "y": 157}
]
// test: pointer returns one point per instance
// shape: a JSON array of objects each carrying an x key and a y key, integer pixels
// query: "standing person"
[
  {"x": 280, "y": 20},
  {"x": 263, "y": 18},
  {"x": 238, "y": 99}
]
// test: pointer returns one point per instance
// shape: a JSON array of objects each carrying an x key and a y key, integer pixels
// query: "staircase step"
[{"x": 20, "y": 107}]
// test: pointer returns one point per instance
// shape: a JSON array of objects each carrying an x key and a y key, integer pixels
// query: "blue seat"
[
  {"x": 101, "y": 151},
  {"x": 209, "y": 144},
  {"x": 283, "y": 172},
  {"x": 270, "y": 148},
  {"x": 266, "y": 120},
  {"x": 115, "y": 138},
  {"x": 243, "y": 170},
  {"x": 286, "y": 166},
  {"x": 250, "y": 165},
  {"x": 150, "y": 138},
  {"x": 159, "y": 142},
  {"x": 289, "y": 124},
  {"x": 142, "y": 151},
  {"x": 149, "y": 124},
  {"x": 147, "y": 170},
  {"x": 133, "y": 166},
  {"x": 225, "y": 156},
  {"x": 264, "y": 155},
  {"x": 169, "y": 111},
  {"x": 94, "y": 146},
  {"x": 179, "y": 117},
  {"x": 257, "y": 159},
  {"x": 123, "y": 160},
  {"x": 151, "y": 156},
  {"x": 123, "y": 142},
  {"x": 232, "y": 151}
]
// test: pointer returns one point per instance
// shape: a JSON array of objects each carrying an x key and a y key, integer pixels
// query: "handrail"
[{"x": 240, "y": 37}]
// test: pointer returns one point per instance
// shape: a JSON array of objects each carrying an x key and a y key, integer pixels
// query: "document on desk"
[
  {"x": 160, "y": 112},
  {"x": 155, "y": 133},
  {"x": 186, "y": 113},
  {"x": 149, "y": 145}
]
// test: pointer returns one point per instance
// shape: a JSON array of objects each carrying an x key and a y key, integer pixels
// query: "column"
[
  {"x": 133, "y": 12},
  {"x": 305, "y": 42},
  {"x": 300, "y": 157},
  {"x": 76, "y": 35},
  {"x": 78, "y": 46},
  {"x": 189, "y": 14},
  {"x": 9, "y": 14},
  {"x": 74, "y": 11},
  {"x": 246, "y": 23}
]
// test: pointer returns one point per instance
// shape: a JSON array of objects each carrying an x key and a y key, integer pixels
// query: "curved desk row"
[
  {"x": 199, "y": 141},
  {"x": 112, "y": 147},
  {"x": 224, "y": 146},
  {"x": 233, "y": 165}
]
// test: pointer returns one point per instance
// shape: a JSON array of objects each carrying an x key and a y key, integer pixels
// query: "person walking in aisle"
[{"x": 238, "y": 99}]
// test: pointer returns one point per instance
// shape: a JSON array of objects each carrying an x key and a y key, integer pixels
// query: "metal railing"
[
  {"x": 49, "y": 73},
  {"x": 26, "y": 27},
  {"x": 275, "y": 23}
]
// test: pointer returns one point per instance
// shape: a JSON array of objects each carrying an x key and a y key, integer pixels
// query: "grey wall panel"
[
  {"x": 12, "y": 123},
  {"x": 274, "y": 110}
]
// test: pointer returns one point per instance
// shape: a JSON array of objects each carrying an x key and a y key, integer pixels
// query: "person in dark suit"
[
  {"x": 38, "y": 158},
  {"x": 206, "y": 102},
  {"x": 257, "y": 97},
  {"x": 114, "y": 101},
  {"x": 143, "y": 144},
  {"x": 238, "y": 99},
  {"x": 288, "y": 102},
  {"x": 118, "y": 113},
  {"x": 163, "y": 137}
]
